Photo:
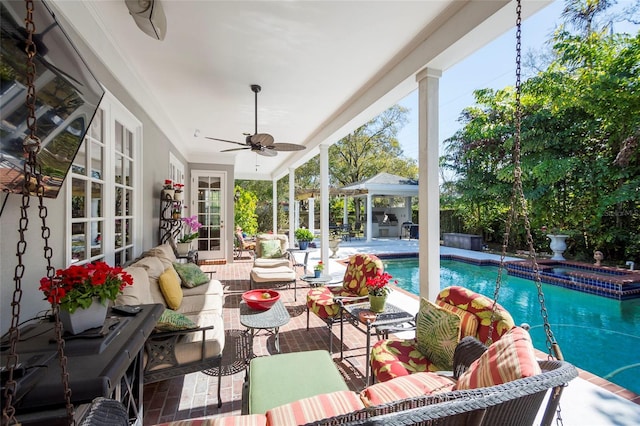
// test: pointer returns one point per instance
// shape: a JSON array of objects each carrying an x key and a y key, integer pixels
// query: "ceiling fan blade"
[
  {"x": 263, "y": 139},
  {"x": 224, "y": 140},
  {"x": 287, "y": 147},
  {"x": 235, "y": 149},
  {"x": 266, "y": 151}
]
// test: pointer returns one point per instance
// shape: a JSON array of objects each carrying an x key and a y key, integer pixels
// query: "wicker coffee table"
[{"x": 270, "y": 320}]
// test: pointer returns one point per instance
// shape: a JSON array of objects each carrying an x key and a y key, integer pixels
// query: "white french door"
[{"x": 207, "y": 201}]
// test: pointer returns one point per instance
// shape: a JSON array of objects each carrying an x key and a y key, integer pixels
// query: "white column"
[
  {"x": 324, "y": 205},
  {"x": 345, "y": 212},
  {"x": 312, "y": 214},
  {"x": 429, "y": 199},
  {"x": 293, "y": 223},
  {"x": 274, "y": 196},
  {"x": 369, "y": 227}
]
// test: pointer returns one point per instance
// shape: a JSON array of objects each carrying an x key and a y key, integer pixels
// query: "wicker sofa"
[{"x": 190, "y": 335}]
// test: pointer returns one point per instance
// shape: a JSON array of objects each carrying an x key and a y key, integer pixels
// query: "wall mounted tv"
[{"x": 67, "y": 97}]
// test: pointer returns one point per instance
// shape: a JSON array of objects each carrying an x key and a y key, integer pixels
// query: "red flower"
[
  {"x": 77, "y": 286},
  {"x": 378, "y": 285}
]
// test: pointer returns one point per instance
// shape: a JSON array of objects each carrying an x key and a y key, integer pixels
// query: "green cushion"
[
  {"x": 270, "y": 249},
  {"x": 190, "y": 274},
  {"x": 437, "y": 334},
  {"x": 283, "y": 378},
  {"x": 174, "y": 321}
]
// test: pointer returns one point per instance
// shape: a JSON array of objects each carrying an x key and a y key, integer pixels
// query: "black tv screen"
[{"x": 67, "y": 97}]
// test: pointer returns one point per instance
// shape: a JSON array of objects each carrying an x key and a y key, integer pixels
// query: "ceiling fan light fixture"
[{"x": 149, "y": 17}]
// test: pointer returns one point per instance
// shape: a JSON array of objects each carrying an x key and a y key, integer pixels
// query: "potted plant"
[
  {"x": 82, "y": 292},
  {"x": 167, "y": 190},
  {"x": 317, "y": 270},
  {"x": 178, "y": 195},
  {"x": 190, "y": 234},
  {"x": 379, "y": 289},
  {"x": 304, "y": 237}
]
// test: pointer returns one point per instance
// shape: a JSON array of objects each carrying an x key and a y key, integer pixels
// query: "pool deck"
[{"x": 588, "y": 400}]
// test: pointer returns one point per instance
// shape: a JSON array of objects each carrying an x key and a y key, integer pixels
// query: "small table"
[
  {"x": 316, "y": 281},
  {"x": 392, "y": 315},
  {"x": 273, "y": 318},
  {"x": 306, "y": 252}
]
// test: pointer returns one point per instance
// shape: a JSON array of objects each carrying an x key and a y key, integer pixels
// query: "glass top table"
[
  {"x": 360, "y": 315},
  {"x": 271, "y": 319}
]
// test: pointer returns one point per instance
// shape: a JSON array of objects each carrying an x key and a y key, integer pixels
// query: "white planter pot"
[
  {"x": 334, "y": 245},
  {"x": 84, "y": 319},
  {"x": 178, "y": 196},
  {"x": 183, "y": 249},
  {"x": 168, "y": 194},
  {"x": 558, "y": 245}
]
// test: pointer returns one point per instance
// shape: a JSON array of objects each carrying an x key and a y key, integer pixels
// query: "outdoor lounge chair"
[
  {"x": 241, "y": 246},
  {"x": 325, "y": 301},
  {"x": 271, "y": 251}
]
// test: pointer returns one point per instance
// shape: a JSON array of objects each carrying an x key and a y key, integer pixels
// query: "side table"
[
  {"x": 392, "y": 315},
  {"x": 295, "y": 262},
  {"x": 273, "y": 318},
  {"x": 316, "y": 281}
]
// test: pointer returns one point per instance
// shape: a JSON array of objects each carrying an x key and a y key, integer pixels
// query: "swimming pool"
[{"x": 596, "y": 334}]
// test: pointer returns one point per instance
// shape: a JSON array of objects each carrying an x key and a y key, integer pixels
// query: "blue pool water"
[{"x": 595, "y": 333}]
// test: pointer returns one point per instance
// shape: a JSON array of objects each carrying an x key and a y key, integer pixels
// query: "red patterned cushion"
[
  {"x": 318, "y": 407},
  {"x": 394, "y": 358},
  {"x": 361, "y": 267},
  {"x": 468, "y": 321},
  {"x": 405, "y": 387},
  {"x": 481, "y": 306},
  {"x": 246, "y": 420},
  {"x": 510, "y": 358}
]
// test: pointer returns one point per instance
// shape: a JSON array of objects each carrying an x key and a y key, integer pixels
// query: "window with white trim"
[{"x": 103, "y": 188}]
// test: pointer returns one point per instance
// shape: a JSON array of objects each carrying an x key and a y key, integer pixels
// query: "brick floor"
[{"x": 195, "y": 395}]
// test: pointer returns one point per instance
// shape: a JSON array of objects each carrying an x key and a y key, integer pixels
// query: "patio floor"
[{"x": 588, "y": 400}]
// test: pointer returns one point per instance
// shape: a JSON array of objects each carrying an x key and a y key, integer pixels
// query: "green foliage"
[
  {"x": 303, "y": 234},
  {"x": 580, "y": 138},
  {"x": 245, "y": 207}
]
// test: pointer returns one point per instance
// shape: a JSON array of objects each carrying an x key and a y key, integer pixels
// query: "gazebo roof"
[{"x": 384, "y": 184}]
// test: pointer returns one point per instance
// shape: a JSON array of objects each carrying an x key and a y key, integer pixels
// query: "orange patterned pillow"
[
  {"x": 315, "y": 408},
  {"x": 468, "y": 321},
  {"x": 510, "y": 358},
  {"x": 402, "y": 387}
]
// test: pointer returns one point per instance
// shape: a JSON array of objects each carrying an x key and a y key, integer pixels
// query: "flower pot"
[
  {"x": 334, "y": 245},
  {"x": 168, "y": 194},
  {"x": 316, "y": 273},
  {"x": 377, "y": 303},
  {"x": 183, "y": 249},
  {"x": 558, "y": 245},
  {"x": 178, "y": 196},
  {"x": 303, "y": 245},
  {"x": 84, "y": 319}
]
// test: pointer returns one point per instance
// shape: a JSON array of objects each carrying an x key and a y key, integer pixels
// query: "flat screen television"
[{"x": 67, "y": 96}]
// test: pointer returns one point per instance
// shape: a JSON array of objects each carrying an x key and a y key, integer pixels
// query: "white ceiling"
[{"x": 325, "y": 67}]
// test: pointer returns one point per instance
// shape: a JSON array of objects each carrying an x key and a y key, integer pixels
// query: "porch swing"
[
  {"x": 101, "y": 411},
  {"x": 515, "y": 402}
]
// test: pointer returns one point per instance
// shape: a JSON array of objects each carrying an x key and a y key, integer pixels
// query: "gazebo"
[{"x": 383, "y": 219}]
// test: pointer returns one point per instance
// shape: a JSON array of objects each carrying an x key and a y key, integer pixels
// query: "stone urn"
[
  {"x": 334, "y": 245},
  {"x": 558, "y": 245}
]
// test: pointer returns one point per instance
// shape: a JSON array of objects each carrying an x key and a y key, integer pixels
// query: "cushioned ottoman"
[
  {"x": 279, "y": 275},
  {"x": 283, "y": 378}
]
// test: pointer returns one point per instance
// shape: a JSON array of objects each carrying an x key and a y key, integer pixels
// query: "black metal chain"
[{"x": 32, "y": 184}]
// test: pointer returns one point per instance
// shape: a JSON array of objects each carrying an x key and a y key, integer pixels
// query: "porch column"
[
  {"x": 324, "y": 206},
  {"x": 369, "y": 227},
  {"x": 345, "y": 213},
  {"x": 429, "y": 200},
  {"x": 274, "y": 196},
  {"x": 312, "y": 214},
  {"x": 292, "y": 206}
]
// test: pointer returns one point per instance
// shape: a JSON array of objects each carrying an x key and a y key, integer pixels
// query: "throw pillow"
[
  {"x": 271, "y": 249},
  {"x": 309, "y": 410},
  {"x": 174, "y": 321},
  {"x": 169, "y": 283},
  {"x": 138, "y": 293},
  {"x": 437, "y": 334},
  {"x": 403, "y": 387},
  {"x": 190, "y": 274},
  {"x": 510, "y": 358},
  {"x": 468, "y": 321}
]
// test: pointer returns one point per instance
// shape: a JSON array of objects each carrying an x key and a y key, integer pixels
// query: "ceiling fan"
[{"x": 260, "y": 143}]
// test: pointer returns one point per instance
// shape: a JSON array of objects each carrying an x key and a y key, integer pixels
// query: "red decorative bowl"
[{"x": 257, "y": 299}]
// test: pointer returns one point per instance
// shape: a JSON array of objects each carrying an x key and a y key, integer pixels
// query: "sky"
[{"x": 490, "y": 67}]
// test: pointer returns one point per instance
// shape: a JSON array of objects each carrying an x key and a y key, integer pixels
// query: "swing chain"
[{"x": 32, "y": 184}]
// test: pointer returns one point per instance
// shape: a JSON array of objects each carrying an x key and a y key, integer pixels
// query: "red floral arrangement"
[
  {"x": 379, "y": 285},
  {"x": 77, "y": 286}
]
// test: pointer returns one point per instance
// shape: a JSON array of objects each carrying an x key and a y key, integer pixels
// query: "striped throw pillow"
[
  {"x": 314, "y": 408},
  {"x": 510, "y": 358},
  {"x": 413, "y": 385}
]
